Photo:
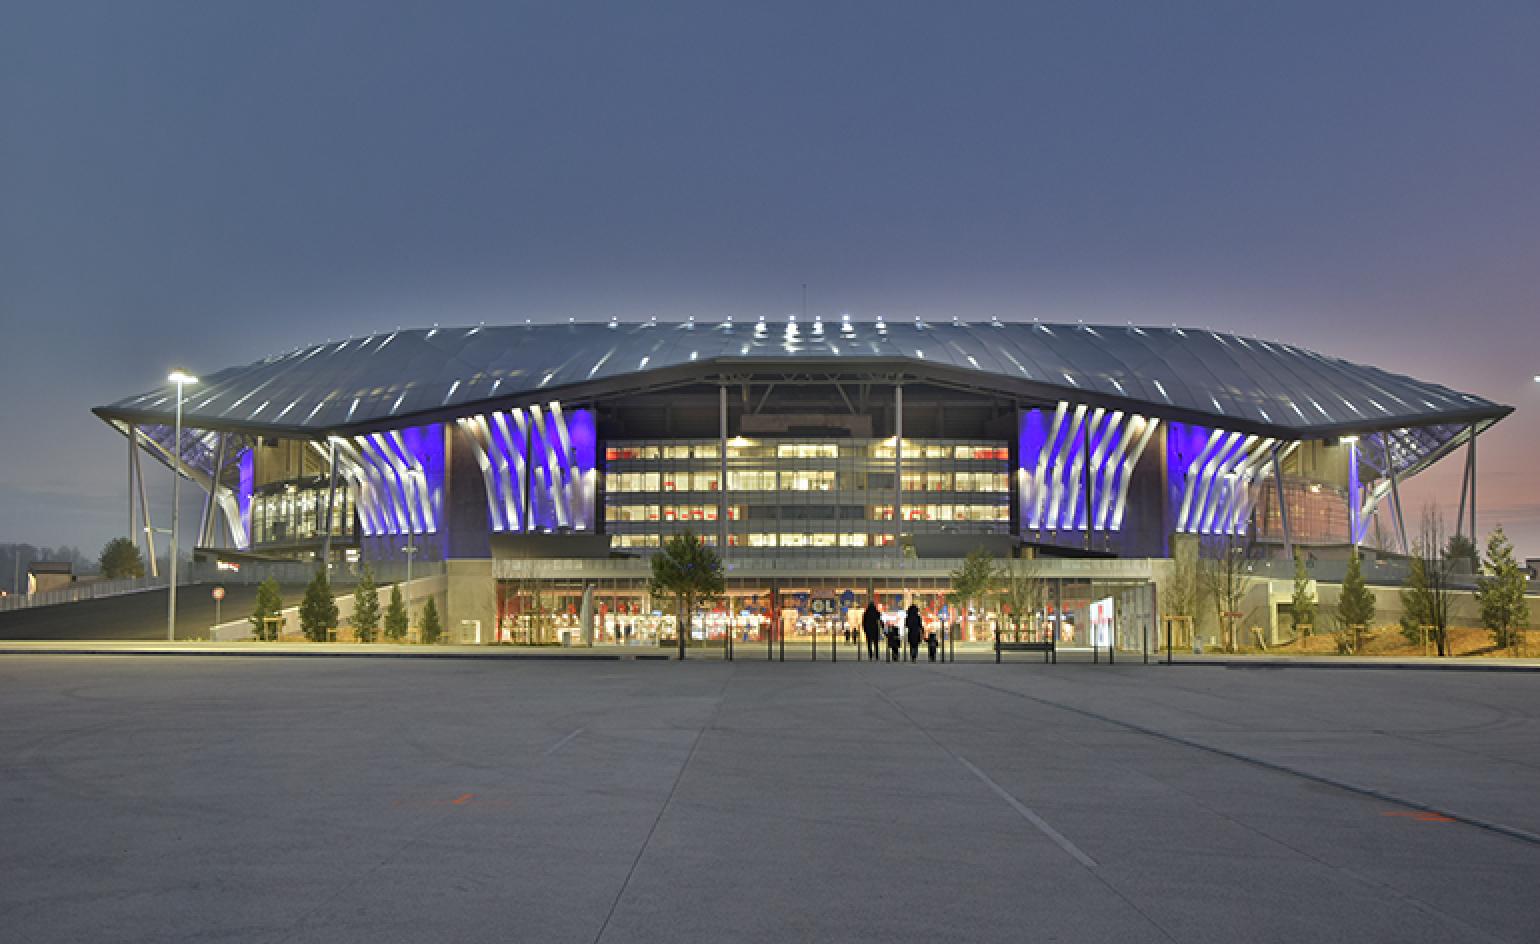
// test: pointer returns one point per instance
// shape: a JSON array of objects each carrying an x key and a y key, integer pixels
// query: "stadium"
[{"x": 830, "y": 461}]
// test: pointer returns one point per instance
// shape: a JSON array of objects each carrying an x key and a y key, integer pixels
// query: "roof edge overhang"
[{"x": 885, "y": 370}]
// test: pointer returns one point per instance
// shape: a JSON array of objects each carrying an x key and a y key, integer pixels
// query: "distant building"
[{"x": 43, "y": 576}]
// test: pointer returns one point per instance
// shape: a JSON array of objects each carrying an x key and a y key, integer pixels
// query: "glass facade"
[
  {"x": 1078, "y": 613},
  {"x": 803, "y": 494},
  {"x": 287, "y": 513}
]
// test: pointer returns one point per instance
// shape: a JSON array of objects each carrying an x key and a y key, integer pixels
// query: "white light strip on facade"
[
  {"x": 526, "y": 470},
  {"x": 500, "y": 492},
  {"x": 1245, "y": 473},
  {"x": 1056, "y": 482},
  {"x": 1194, "y": 474},
  {"x": 514, "y": 470},
  {"x": 572, "y": 482},
  {"x": 1039, "y": 483},
  {"x": 1221, "y": 482},
  {"x": 474, "y": 431},
  {"x": 1150, "y": 426},
  {"x": 417, "y": 480},
  {"x": 551, "y": 475},
  {"x": 1073, "y": 485},
  {"x": 1096, "y": 512},
  {"x": 1112, "y": 470},
  {"x": 384, "y": 477}
]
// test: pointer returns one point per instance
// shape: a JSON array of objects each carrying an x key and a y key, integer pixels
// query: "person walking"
[
  {"x": 914, "y": 628},
  {"x": 932, "y": 644},
  {"x": 895, "y": 644},
  {"x": 871, "y": 626}
]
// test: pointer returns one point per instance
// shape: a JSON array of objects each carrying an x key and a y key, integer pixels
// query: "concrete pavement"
[{"x": 466, "y": 800}]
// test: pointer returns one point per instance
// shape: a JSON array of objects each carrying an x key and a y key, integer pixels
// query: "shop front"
[{"x": 608, "y": 603}]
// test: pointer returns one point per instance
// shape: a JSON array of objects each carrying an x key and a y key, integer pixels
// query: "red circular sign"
[{"x": 219, "y": 593}]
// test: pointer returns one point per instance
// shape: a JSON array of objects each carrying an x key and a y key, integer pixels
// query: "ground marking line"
[
  {"x": 1026, "y": 812},
  {"x": 563, "y": 742},
  {"x": 463, "y": 799},
  {"x": 1029, "y": 815},
  {"x": 1513, "y": 832},
  {"x": 716, "y": 712}
]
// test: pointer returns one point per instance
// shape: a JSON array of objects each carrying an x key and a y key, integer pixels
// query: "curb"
[{"x": 1370, "y": 666}]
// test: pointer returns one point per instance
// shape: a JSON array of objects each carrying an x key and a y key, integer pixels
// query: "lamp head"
[{"x": 180, "y": 377}]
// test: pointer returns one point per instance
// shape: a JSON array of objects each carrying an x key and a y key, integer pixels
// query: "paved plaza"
[{"x": 340, "y": 800}]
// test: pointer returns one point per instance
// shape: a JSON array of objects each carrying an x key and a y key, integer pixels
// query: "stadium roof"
[{"x": 411, "y": 376}]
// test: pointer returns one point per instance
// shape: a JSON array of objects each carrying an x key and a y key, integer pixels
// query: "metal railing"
[
  {"x": 300, "y": 572},
  {"x": 89, "y": 590}
]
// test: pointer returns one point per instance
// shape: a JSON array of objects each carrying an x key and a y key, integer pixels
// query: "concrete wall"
[
  {"x": 414, "y": 594},
  {"x": 471, "y": 596}
]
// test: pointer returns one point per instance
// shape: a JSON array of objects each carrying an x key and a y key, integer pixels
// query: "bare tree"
[
  {"x": 1179, "y": 594},
  {"x": 1224, "y": 579},
  {"x": 1428, "y": 597},
  {"x": 529, "y": 589},
  {"x": 1020, "y": 591}
]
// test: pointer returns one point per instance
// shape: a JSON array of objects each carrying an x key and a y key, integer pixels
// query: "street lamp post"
[{"x": 181, "y": 378}]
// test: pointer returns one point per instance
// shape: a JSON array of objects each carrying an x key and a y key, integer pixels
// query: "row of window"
[
  {"x": 766, "y": 539},
  {"x": 880, "y": 449},
  {"x": 670, "y": 513},
  {"x": 925, "y": 512},
  {"x": 802, "y": 480}
]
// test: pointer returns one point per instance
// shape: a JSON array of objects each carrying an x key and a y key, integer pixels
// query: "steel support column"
[
  {"x": 1395, "y": 491},
  {"x": 1354, "y": 486},
  {"x": 133, "y": 512},
  {"x": 1283, "y": 507},
  {"x": 1471, "y": 457},
  {"x": 1459, "y": 518},
  {"x": 331, "y": 501},
  {"x": 898, "y": 469},
  {"x": 144, "y": 505},
  {"x": 1085, "y": 480},
  {"x": 206, "y": 521},
  {"x": 722, "y": 471}
]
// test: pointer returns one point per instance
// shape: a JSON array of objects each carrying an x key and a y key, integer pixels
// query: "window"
[
  {"x": 807, "y": 480},
  {"x": 807, "y": 451}
]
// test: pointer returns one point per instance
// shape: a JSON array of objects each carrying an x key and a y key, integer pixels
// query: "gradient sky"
[{"x": 206, "y": 183}]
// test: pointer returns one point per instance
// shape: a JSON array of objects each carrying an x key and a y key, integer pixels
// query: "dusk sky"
[{"x": 203, "y": 184}]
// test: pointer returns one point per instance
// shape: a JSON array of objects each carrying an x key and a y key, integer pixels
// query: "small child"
[{"x": 932, "y": 644}]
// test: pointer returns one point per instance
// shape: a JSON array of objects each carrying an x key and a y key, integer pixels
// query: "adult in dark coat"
[
  {"x": 914, "y": 630},
  {"x": 871, "y": 627}
]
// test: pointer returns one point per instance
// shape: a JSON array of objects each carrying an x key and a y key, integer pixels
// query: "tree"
[
  {"x": 689, "y": 573},
  {"x": 1500, "y": 593},
  {"x": 318, "y": 611},
  {"x": 1355, "y": 606},
  {"x": 1462, "y": 550},
  {"x": 1020, "y": 591},
  {"x": 1428, "y": 597},
  {"x": 269, "y": 605},
  {"x": 1179, "y": 594},
  {"x": 1224, "y": 576},
  {"x": 395, "y": 615},
  {"x": 972, "y": 582},
  {"x": 1304, "y": 599},
  {"x": 366, "y": 607},
  {"x": 121, "y": 560},
  {"x": 431, "y": 630}
]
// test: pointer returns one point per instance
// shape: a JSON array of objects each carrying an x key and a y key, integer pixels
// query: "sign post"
[{"x": 218, "y": 594}]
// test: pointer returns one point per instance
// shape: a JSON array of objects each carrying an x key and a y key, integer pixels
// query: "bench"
[{"x": 1046, "y": 648}]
